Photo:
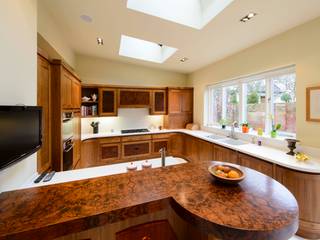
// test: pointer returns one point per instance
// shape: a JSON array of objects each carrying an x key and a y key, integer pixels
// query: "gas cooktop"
[{"x": 134, "y": 130}]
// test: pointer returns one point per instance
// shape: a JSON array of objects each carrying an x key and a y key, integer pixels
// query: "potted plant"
[
  {"x": 275, "y": 128},
  {"x": 223, "y": 123},
  {"x": 245, "y": 127},
  {"x": 95, "y": 126}
]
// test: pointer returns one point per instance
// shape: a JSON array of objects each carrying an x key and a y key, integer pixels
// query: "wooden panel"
[
  {"x": 136, "y": 138},
  {"x": 176, "y": 121},
  {"x": 43, "y": 100},
  {"x": 134, "y": 98},
  {"x": 256, "y": 164},
  {"x": 177, "y": 144},
  {"x": 157, "y": 230},
  {"x": 136, "y": 149},
  {"x": 76, "y": 93},
  {"x": 110, "y": 140},
  {"x": 110, "y": 152},
  {"x": 76, "y": 138},
  {"x": 158, "y": 144},
  {"x": 205, "y": 150},
  {"x": 66, "y": 89},
  {"x": 108, "y": 102},
  {"x": 222, "y": 154},
  {"x": 161, "y": 135},
  {"x": 305, "y": 187},
  {"x": 187, "y": 101},
  {"x": 159, "y": 102},
  {"x": 89, "y": 153},
  {"x": 174, "y": 101},
  {"x": 191, "y": 148}
]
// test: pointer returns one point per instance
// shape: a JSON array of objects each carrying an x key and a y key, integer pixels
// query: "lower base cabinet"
[
  {"x": 256, "y": 164},
  {"x": 222, "y": 154},
  {"x": 157, "y": 230}
]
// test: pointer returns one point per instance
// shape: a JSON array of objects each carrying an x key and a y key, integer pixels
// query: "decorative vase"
[
  {"x": 291, "y": 145},
  {"x": 273, "y": 134}
]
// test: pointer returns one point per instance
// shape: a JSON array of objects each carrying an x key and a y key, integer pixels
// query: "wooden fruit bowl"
[{"x": 216, "y": 169}]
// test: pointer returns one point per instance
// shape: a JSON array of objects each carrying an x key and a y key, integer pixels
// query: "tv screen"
[{"x": 20, "y": 133}]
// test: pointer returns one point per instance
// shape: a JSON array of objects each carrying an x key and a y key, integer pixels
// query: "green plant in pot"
[
  {"x": 95, "y": 126},
  {"x": 275, "y": 128},
  {"x": 223, "y": 122}
]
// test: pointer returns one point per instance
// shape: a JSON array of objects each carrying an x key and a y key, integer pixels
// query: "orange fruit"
[{"x": 233, "y": 174}]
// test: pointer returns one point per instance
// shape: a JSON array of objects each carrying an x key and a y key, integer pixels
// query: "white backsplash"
[{"x": 127, "y": 118}]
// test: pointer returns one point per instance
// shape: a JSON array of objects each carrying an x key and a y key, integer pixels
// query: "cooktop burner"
[{"x": 135, "y": 130}]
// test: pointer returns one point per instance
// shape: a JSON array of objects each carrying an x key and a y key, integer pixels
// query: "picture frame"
[{"x": 313, "y": 104}]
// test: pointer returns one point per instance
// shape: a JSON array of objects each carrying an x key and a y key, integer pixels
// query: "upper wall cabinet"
[
  {"x": 134, "y": 98},
  {"x": 158, "y": 102},
  {"x": 180, "y": 101},
  {"x": 108, "y": 102}
]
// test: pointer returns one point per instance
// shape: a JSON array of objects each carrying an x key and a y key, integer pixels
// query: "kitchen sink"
[
  {"x": 231, "y": 141},
  {"x": 215, "y": 137}
]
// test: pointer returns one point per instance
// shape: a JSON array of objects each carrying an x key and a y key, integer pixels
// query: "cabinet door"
[
  {"x": 187, "y": 101},
  {"x": 76, "y": 93},
  {"x": 110, "y": 153},
  {"x": 159, "y": 144},
  {"x": 76, "y": 138},
  {"x": 136, "y": 149},
  {"x": 177, "y": 145},
  {"x": 256, "y": 164},
  {"x": 174, "y": 101},
  {"x": 222, "y": 154},
  {"x": 108, "y": 102},
  {"x": 89, "y": 153},
  {"x": 134, "y": 98},
  {"x": 157, "y": 230},
  {"x": 43, "y": 100},
  {"x": 66, "y": 89},
  {"x": 191, "y": 148},
  {"x": 159, "y": 102},
  {"x": 205, "y": 151}
]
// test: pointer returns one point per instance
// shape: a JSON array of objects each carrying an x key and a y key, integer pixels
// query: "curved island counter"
[{"x": 258, "y": 208}]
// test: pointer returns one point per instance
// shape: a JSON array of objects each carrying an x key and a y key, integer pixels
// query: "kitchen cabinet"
[
  {"x": 136, "y": 149},
  {"x": 66, "y": 90},
  {"x": 134, "y": 98},
  {"x": 110, "y": 153},
  {"x": 158, "y": 144},
  {"x": 205, "y": 151},
  {"x": 158, "y": 102},
  {"x": 75, "y": 93},
  {"x": 176, "y": 143},
  {"x": 305, "y": 187},
  {"x": 76, "y": 138},
  {"x": 222, "y": 154},
  {"x": 43, "y": 100},
  {"x": 89, "y": 153},
  {"x": 108, "y": 102},
  {"x": 256, "y": 164},
  {"x": 156, "y": 230}
]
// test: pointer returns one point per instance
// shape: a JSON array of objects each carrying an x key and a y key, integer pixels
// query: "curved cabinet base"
[{"x": 309, "y": 230}]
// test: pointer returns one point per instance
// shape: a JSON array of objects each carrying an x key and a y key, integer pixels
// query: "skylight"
[
  {"x": 192, "y": 13},
  {"x": 144, "y": 50}
]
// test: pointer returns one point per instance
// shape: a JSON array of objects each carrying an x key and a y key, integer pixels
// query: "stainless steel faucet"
[
  {"x": 232, "y": 133},
  {"x": 163, "y": 156}
]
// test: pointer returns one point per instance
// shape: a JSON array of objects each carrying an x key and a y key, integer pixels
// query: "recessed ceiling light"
[
  {"x": 100, "y": 41},
  {"x": 248, "y": 17},
  {"x": 184, "y": 59},
  {"x": 86, "y": 18}
]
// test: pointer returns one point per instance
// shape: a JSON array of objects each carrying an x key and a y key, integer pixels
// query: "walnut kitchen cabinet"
[
  {"x": 89, "y": 153},
  {"x": 134, "y": 98},
  {"x": 76, "y": 138},
  {"x": 256, "y": 164},
  {"x": 75, "y": 93},
  {"x": 108, "y": 102},
  {"x": 43, "y": 100},
  {"x": 133, "y": 150},
  {"x": 158, "y": 102},
  {"x": 222, "y": 154}
]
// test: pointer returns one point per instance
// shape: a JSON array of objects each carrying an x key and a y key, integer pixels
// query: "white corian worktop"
[{"x": 263, "y": 152}]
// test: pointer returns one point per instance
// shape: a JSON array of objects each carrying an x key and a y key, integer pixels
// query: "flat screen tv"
[{"x": 20, "y": 133}]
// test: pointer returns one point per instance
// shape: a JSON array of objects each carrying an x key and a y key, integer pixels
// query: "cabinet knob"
[{"x": 146, "y": 238}]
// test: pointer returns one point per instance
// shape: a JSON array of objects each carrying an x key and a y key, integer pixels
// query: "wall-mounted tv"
[{"x": 20, "y": 133}]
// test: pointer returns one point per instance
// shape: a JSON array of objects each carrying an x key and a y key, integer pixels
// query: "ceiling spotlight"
[
  {"x": 184, "y": 59},
  {"x": 100, "y": 41},
  {"x": 86, "y": 18},
  {"x": 248, "y": 17}
]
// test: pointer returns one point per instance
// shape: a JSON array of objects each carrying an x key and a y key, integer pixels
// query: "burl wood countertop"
[{"x": 257, "y": 208}]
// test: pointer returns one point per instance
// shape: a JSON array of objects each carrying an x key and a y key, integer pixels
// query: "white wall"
[
  {"x": 127, "y": 118},
  {"x": 18, "y": 72}
]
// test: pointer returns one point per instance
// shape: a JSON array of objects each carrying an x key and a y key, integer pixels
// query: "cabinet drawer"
[
  {"x": 110, "y": 140},
  {"x": 158, "y": 144},
  {"x": 136, "y": 138},
  {"x": 136, "y": 149},
  {"x": 162, "y": 136},
  {"x": 109, "y": 152}
]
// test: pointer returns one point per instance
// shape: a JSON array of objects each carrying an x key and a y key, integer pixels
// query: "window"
[{"x": 255, "y": 100}]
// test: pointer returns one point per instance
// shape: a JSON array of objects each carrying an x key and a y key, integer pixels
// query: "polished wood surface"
[
  {"x": 158, "y": 102},
  {"x": 159, "y": 144},
  {"x": 227, "y": 212},
  {"x": 75, "y": 93},
  {"x": 156, "y": 230},
  {"x": 108, "y": 102},
  {"x": 256, "y": 164},
  {"x": 76, "y": 138},
  {"x": 89, "y": 153},
  {"x": 223, "y": 154},
  {"x": 134, "y": 98},
  {"x": 43, "y": 100},
  {"x": 305, "y": 187}
]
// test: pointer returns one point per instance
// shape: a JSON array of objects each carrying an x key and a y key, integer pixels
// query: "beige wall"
[
  {"x": 51, "y": 32},
  {"x": 18, "y": 74},
  {"x": 102, "y": 71},
  {"x": 300, "y": 46}
]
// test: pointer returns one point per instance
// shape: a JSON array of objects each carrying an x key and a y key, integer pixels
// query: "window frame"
[{"x": 240, "y": 82}]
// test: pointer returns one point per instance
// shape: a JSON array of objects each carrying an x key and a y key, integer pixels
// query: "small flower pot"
[
  {"x": 223, "y": 126},
  {"x": 96, "y": 129},
  {"x": 273, "y": 134},
  {"x": 245, "y": 129}
]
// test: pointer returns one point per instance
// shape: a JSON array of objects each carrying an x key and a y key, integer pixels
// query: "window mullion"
[
  {"x": 224, "y": 103},
  {"x": 268, "y": 120}
]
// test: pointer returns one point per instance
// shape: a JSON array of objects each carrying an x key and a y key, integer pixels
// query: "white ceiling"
[{"x": 221, "y": 37}]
